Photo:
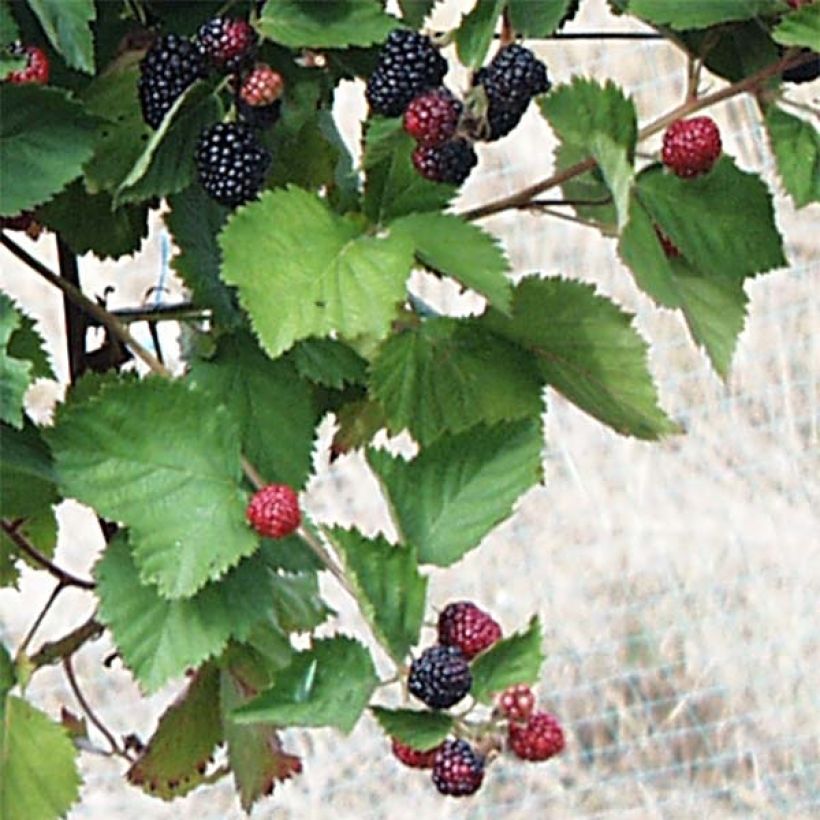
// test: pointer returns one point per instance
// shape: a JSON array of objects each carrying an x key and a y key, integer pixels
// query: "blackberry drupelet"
[
  {"x": 231, "y": 163},
  {"x": 440, "y": 677},
  {"x": 167, "y": 69},
  {"x": 449, "y": 162}
]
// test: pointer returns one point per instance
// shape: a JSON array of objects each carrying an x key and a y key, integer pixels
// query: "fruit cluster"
[
  {"x": 408, "y": 82},
  {"x": 231, "y": 160},
  {"x": 440, "y": 677}
]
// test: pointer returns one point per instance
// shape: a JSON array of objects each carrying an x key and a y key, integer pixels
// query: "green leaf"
[
  {"x": 26, "y": 472},
  {"x": 39, "y": 529},
  {"x": 166, "y": 164},
  {"x": 701, "y": 216},
  {"x": 476, "y": 31},
  {"x": 9, "y": 30},
  {"x": 800, "y": 28},
  {"x": 290, "y": 554},
  {"x": 270, "y": 404},
  {"x": 159, "y": 639},
  {"x": 329, "y": 24},
  {"x": 67, "y": 24},
  {"x": 358, "y": 422},
  {"x": 589, "y": 187},
  {"x": 8, "y": 675},
  {"x": 456, "y": 490},
  {"x": 796, "y": 145},
  {"x": 89, "y": 223},
  {"x": 255, "y": 752},
  {"x": 420, "y": 730},
  {"x": 39, "y": 779},
  {"x": 26, "y": 343},
  {"x": 682, "y": 14},
  {"x": 327, "y": 685},
  {"x": 451, "y": 246},
  {"x": 512, "y": 660},
  {"x": 328, "y": 362},
  {"x": 16, "y": 375},
  {"x": 734, "y": 50},
  {"x": 393, "y": 187},
  {"x": 194, "y": 220},
  {"x": 296, "y": 602},
  {"x": 537, "y": 19},
  {"x": 341, "y": 281},
  {"x": 414, "y": 12},
  {"x": 390, "y": 590},
  {"x": 586, "y": 348},
  {"x": 448, "y": 375},
  {"x": 175, "y": 759},
  {"x": 45, "y": 138},
  {"x": 174, "y": 482},
  {"x": 602, "y": 122}
]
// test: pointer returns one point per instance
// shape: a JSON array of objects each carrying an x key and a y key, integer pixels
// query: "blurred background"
[{"x": 678, "y": 581}]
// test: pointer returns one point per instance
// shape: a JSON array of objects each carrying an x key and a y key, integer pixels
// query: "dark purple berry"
[
  {"x": 440, "y": 677},
  {"x": 458, "y": 771},
  {"x": 449, "y": 162}
]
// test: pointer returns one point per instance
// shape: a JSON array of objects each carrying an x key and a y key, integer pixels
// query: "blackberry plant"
[{"x": 296, "y": 257}]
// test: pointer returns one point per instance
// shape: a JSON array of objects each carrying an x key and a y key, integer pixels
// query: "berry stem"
[
  {"x": 309, "y": 531},
  {"x": 59, "y": 587},
  {"x": 524, "y": 196}
]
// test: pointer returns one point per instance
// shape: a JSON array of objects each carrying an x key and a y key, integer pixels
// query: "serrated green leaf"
[
  {"x": 159, "y": 639},
  {"x": 27, "y": 344},
  {"x": 393, "y": 187},
  {"x": 9, "y": 30},
  {"x": 419, "y": 730},
  {"x": 341, "y": 281},
  {"x": 358, "y": 422},
  {"x": 27, "y": 475},
  {"x": 701, "y": 216},
  {"x": 67, "y": 24},
  {"x": 537, "y": 19},
  {"x": 451, "y": 246},
  {"x": 448, "y": 375},
  {"x": 39, "y": 779},
  {"x": 390, "y": 590},
  {"x": 271, "y": 405},
  {"x": 586, "y": 348},
  {"x": 296, "y": 602},
  {"x": 173, "y": 481},
  {"x": 414, "y": 12},
  {"x": 512, "y": 660},
  {"x": 475, "y": 33},
  {"x": 166, "y": 164},
  {"x": 734, "y": 50},
  {"x": 290, "y": 554},
  {"x": 589, "y": 188},
  {"x": 456, "y": 490},
  {"x": 89, "y": 224},
  {"x": 796, "y": 146},
  {"x": 45, "y": 138},
  {"x": 328, "y": 362},
  {"x": 329, "y": 684},
  {"x": 683, "y": 14},
  {"x": 16, "y": 375},
  {"x": 174, "y": 761},
  {"x": 329, "y": 24},
  {"x": 800, "y": 28},
  {"x": 195, "y": 220},
  {"x": 255, "y": 752}
]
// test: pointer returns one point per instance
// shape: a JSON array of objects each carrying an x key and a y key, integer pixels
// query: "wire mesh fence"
[{"x": 678, "y": 581}]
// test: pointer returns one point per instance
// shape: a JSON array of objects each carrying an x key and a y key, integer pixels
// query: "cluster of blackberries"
[
  {"x": 231, "y": 160},
  {"x": 408, "y": 81},
  {"x": 440, "y": 677}
]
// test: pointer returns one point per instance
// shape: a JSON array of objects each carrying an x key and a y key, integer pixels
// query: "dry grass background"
[{"x": 678, "y": 581}]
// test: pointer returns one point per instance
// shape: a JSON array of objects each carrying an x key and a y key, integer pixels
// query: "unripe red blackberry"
[
  {"x": 408, "y": 64},
  {"x": 540, "y": 738},
  {"x": 440, "y": 677},
  {"x": 691, "y": 147},
  {"x": 464, "y": 625},
  {"x": 261, "y": 86},
  {"x": 36, "y": 70},
  {"x": 226, "y": 43},
  {"x": 274, "y": 511},
  {"x": 458, "y": 770},
  {"x": 432, "y": 117},
  {"x": 516, "y": 702},
  {"x": 450, "y": 162},
  {"x": 168, "y": 68},
  {"x": 414, "y": 758},
  {"x": 231, "y": 163}
]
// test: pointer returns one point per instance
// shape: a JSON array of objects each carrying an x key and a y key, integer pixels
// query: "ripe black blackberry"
[
  {"x": 227, "y": 44},
  {"x": 231, "y": 163},
  {"x": 259, "y": 116},
  {"x": 806, "y": 72},
  {"x": 451, "y": 161},
  {"x": 408, "y": 64},
  {"x": 458, "y": 771},
  {"x": 440, "y": 677},
  {"x": 167, "y": 69}
]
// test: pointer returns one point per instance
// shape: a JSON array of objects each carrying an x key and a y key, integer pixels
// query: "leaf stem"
[{"x": 11, "y": 529}]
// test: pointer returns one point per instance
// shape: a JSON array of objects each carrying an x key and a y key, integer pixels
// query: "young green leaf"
[
  {"x": 796, "y": 146},
  {"x": 45, "y": 138},
  {"x": 420, "y": 730},
  {"x": 341, "y": 281},
  {"x": 512, "y": 660},
  {"x": 448, "y": 375},
  {"x": 67, "y": 24},
  {"x": 329, "y": 24},
  {"x": 329, "y": 684},
  {"x": 456, "y": 248},
  {"x": 800, "y": 28},
  {"x": 683, "y": 14},
  {"x": 456, "y": 490},
  {"x": 390, "y": 589},
  {"x": 174, "y": 761},
  {"x": 161, "y": 458},
  {"x": 39, "y": 778},
  {"x": 586, "y": 348},
  {"x": 475, "y": 34}
]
